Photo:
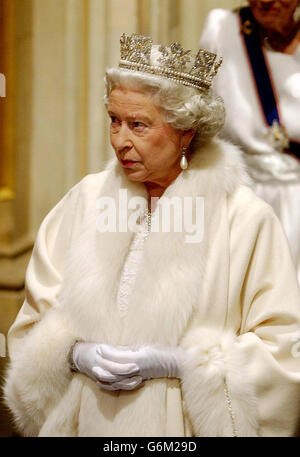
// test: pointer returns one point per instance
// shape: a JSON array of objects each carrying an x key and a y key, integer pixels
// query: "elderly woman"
[
  {"x": 135, "y": 325},
  {"x": 260, "y": 87}
]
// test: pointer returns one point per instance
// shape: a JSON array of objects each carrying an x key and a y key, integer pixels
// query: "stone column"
[{"x": 15, "y": 143}]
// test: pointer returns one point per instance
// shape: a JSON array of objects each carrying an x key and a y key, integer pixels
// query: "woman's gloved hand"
[
  {"x": 151, "y": 362},
  {"x": 87, "y": 359}
]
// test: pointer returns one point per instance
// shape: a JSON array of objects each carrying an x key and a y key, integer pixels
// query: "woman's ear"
[{"x": 188, "y": 135}]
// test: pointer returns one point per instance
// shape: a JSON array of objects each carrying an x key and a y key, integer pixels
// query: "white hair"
[{"x": 183, "y": 107}]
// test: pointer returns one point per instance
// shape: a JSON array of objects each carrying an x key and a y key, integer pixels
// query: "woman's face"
[
  {"x": 273, "y": 14},
  {"x": 148, "y": 148}
]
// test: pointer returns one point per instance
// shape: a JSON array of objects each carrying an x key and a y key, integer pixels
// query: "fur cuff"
[
  {"x": 39, "y": 374},
  {"x": 218, "y": 397}
]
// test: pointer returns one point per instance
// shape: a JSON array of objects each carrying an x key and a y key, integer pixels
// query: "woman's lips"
[{"x": 128, "y": 163}]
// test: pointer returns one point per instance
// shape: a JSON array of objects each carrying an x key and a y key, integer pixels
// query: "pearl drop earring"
[
  {"x": 183, "y": 161},
  {"x": 296, "y": 15}
]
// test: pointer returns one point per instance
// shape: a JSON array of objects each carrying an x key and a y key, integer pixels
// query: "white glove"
[
  {"x": 151, "y": 361},
  {"x": 124, "y": 384},
  {"x": 88, "y": 360}
]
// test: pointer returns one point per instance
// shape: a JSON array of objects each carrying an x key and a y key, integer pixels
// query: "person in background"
[{"x": 260, "y": 85}]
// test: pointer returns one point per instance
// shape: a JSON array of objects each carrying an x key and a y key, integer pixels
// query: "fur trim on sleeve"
[
  {"x": 217, "y": 395},
  {"x": 39, "y": 374}
]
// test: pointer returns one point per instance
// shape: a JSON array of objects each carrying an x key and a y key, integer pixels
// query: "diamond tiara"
[{"x": 173, "y": 62}]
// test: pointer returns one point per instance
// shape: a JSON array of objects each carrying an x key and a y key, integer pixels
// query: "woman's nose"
[{"x": 122, "y": 139}]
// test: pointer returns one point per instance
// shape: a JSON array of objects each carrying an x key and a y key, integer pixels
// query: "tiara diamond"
[
  {"x": 139, "y": 54},
  {"x": 136, "y": 48}
]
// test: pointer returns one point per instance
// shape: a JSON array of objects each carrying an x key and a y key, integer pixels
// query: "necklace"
[
  {"x": 148, "y": 216},
  {"x": 145, "y": 219}
]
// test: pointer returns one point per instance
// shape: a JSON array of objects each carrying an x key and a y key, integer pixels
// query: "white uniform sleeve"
[{"x": 210, "y": 35}]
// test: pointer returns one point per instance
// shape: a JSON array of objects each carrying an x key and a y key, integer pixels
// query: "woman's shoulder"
[
  {"x": 88, "y": 186},
  {"x": 90, "y": 182},
  {"x": 246, "y": 209},
  {"x": 223, "y": 164},
  {"x": 74, "y": 201},
  {"x": 76, "y": 198}
]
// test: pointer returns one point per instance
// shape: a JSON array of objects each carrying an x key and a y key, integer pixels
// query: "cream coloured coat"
[{"x": 232, "y": 301}]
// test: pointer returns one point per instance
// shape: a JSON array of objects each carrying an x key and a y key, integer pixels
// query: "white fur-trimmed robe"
[{"x": 232, "y": 301}]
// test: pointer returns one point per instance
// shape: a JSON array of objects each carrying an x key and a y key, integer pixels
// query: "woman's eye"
[
  {"x": 138, "y": 125},
  {"x": 114, "y": 123},
  {"x": 113, "y": 119}
]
